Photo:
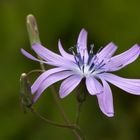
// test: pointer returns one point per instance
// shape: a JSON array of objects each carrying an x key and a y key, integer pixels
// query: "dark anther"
[
  {"x": 91, "y": 48},
  {"x": 72, "y": 49}
]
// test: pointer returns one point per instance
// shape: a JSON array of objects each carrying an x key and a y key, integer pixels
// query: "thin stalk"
[
  {"x": 71, "y": 126},
  {"x": 35, "y": 112},
  {"x": 41, "y": 64},
  {"x": 33, "y": 71},
  {"x": 79, "y": 105}
]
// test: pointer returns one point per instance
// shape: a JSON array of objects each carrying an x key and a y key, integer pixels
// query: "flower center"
[{"x": 88, "y": 63}]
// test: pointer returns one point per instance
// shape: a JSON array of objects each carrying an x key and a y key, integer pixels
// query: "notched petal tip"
[
  {"x": 83, "y": 30},
  {"x": 112, "y": 43},
  {"x": 110, "y": 114},
  {"x": 137, "y": 46},
  {"x": 82, "y": 35},
  {"x": 61, "y": 95},
  {"x": 59, "y": 41},
  {"x": 22, "y": 50},
  {"x": 25, "y": 53},
  {"x": 99, "y": 93},
  {"x": 112, "y": 46},
  {"x": 28, "y": 55}
]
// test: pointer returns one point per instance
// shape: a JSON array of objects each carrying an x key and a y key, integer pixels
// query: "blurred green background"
[{"x": 105, "y": 21}]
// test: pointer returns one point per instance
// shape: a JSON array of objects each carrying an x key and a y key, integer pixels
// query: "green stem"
[
  {"x": 79, "y": 105},
  {"x": 50, "y": 121},
  {"x": 73, "y": 127}
]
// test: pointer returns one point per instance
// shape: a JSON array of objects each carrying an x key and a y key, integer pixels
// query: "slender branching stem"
[
  {"x": 71, "y": 126},
  {"x": 35, "y": 112}
]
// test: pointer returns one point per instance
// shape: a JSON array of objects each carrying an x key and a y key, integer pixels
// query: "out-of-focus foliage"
[{"x": 105, "y": 20}]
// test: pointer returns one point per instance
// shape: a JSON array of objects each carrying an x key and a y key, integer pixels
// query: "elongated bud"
[
  {"x": 32, "y": 29},
  {"x": 25, "y": 92}
]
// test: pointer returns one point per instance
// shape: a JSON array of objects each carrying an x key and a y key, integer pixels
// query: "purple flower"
[{"x": 82, "y": 64}]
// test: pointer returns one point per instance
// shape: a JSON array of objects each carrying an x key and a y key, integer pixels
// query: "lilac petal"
[
  {"x": 129, "y": 85},
  {"x": 28, "y": 55},
  {"x": 93, "y": 86},
  {"x": 53, "y": 78},
  {"x": 82, "y": 39},
  {"x": 107, "y": 51},
  {"x": 119, "y": 61},
  {"x": 69, "y": 85},
  {"x": 45, "y": 53},
  {"x": 105, "y": 100},
  {"x": 82, "y": 45},
  {"x": 51, "y": 56},
  {"x": 64, "y": 53},
  {"x": 43, "y": 76}
]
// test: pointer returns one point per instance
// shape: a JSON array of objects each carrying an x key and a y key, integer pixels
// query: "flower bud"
[
  {"x": 25, "y": 92},
  {"x": 32, "y": 29}
]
